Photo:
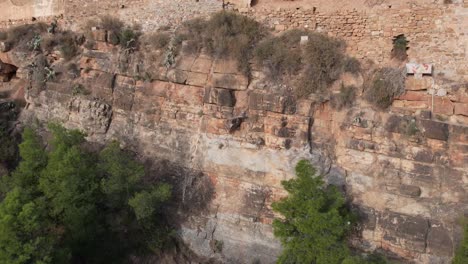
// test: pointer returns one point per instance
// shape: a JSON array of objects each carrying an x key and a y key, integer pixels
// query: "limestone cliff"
[{"x": 405, "y": 168}]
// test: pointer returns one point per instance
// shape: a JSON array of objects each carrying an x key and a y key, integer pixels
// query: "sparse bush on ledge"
[
  {"x": 312, "y": 67},
  {"x": 224, "y": 35},
  {"x": 20, "y": 37},
  {"x": 384, "y": 85}
]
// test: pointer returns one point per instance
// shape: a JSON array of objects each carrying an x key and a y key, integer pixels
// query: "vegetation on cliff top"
[{"x": 64, "y": 204}]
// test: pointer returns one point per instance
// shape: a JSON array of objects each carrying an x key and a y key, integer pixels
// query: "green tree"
[
  {"x": 146, "y": 203},
  {"x": 314, "y": 220},
  {"x": 121, "y": 174},
  {"x": 33, "y": 160},
  {"x": 26, "y": 234},
  {"x": 461, "y": 255}
]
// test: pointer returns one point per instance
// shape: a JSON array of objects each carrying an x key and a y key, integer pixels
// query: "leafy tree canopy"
[{"x": 64, "y": 204}]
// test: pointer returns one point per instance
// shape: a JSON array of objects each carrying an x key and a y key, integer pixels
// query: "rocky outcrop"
[{"x": 405, "y": 168}]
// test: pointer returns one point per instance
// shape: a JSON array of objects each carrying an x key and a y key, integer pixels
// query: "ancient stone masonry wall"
[
  {"x": 437, "y": 32},
  {"x": 150, "y": 14}
]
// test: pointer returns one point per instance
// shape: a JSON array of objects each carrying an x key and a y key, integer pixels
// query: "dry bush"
[
  {"x": 345, "y": 98},
  {"x": 281, "y": 55},
  {"x": 324, "y": 59},
  {"x": 352, "y": 65},
  {"x": 224, "y": 35},
  {"x": 19, "y": 37},
  {"x": 65, "y": 41},
  {"x": 384, "y": 85},
  {"x": 111, "y": 24},
  {"x": 158, "y": 40},
  {"x": 313, "y": 66}
]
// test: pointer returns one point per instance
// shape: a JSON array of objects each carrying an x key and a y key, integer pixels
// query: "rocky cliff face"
[{"x": 237, "y": 139}]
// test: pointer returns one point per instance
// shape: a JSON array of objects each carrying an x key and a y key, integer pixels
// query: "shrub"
[
  {"x": 345, "y": 98},
  {"x": 314, "y": 220},
  {"x": 38, "y": 77},
  {"x": 158, "y": 40},
  {"x": 384, "y": 85},
  {"x": 110, "y": 23},
  {"x": 352, "y": 65},
  {"x": 68, "y": 47},
  {"x": 281, "y": 55},
  {"x": 324, "y": 56},
  {"x": 20, "y": 36},
  {"x": 400, "y": 46},
  {"x": 128, "y": 38},
  {"x": 79, "y": 89},
  {"x": 224, "y": 35}
]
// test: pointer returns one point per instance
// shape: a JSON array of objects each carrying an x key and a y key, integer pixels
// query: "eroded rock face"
[{"x": 405, "y": 172}]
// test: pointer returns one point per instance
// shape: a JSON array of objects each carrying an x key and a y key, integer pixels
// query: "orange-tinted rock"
[
  {"x": 414, "y": 84},
  {"x": 461, "y": 109},
  {"x": 442, "y": 106}
]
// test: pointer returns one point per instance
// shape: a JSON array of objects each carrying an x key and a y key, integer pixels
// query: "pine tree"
[{"x": 314, "y": 220}]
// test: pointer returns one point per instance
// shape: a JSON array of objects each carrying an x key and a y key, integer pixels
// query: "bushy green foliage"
[
  {"x": 66, "y": 204},
  {"x": 314, "y": 220},
  {"x": 461, "y": 255},
  {"x": 224, "y": 35}
]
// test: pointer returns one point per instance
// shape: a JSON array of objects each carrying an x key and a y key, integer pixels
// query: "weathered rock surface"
[{"x": 406, "y": 169}]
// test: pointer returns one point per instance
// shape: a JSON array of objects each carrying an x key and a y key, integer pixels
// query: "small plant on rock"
[{"x": 400, "y": 46}]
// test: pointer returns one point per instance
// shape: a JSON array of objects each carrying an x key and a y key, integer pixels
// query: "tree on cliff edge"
[
  {"x": 315, "y": 220},
  {"x": 461, "y": 256}
]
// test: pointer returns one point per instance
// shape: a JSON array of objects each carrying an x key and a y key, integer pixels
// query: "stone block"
[
  {"x": 187, "y": 94},
  {"x": 415, "y": 84},
  {"x": 435, "y": 130},
  {"x": 230, "y": 81},
  {"x": 439, "y": 240},
  {"x": 202, "y": 64},
  {"x": 411, "y": 229},
  {"x": 442, "y": 106},
  {"x": 461, "y": 109},
  {"x": 409, "y": 190},
  {"x": 155, "y": 88},
  {"x": 184, "y": 63},
  {"x": 196, "y": 79},
  {"x": 414, "y": 96},
  {"x": 226, "y": 66},
  {"x": 177, "y": 76},
  {"x": 222, "y": 97},
  {"x": 124, "y": 90}
]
